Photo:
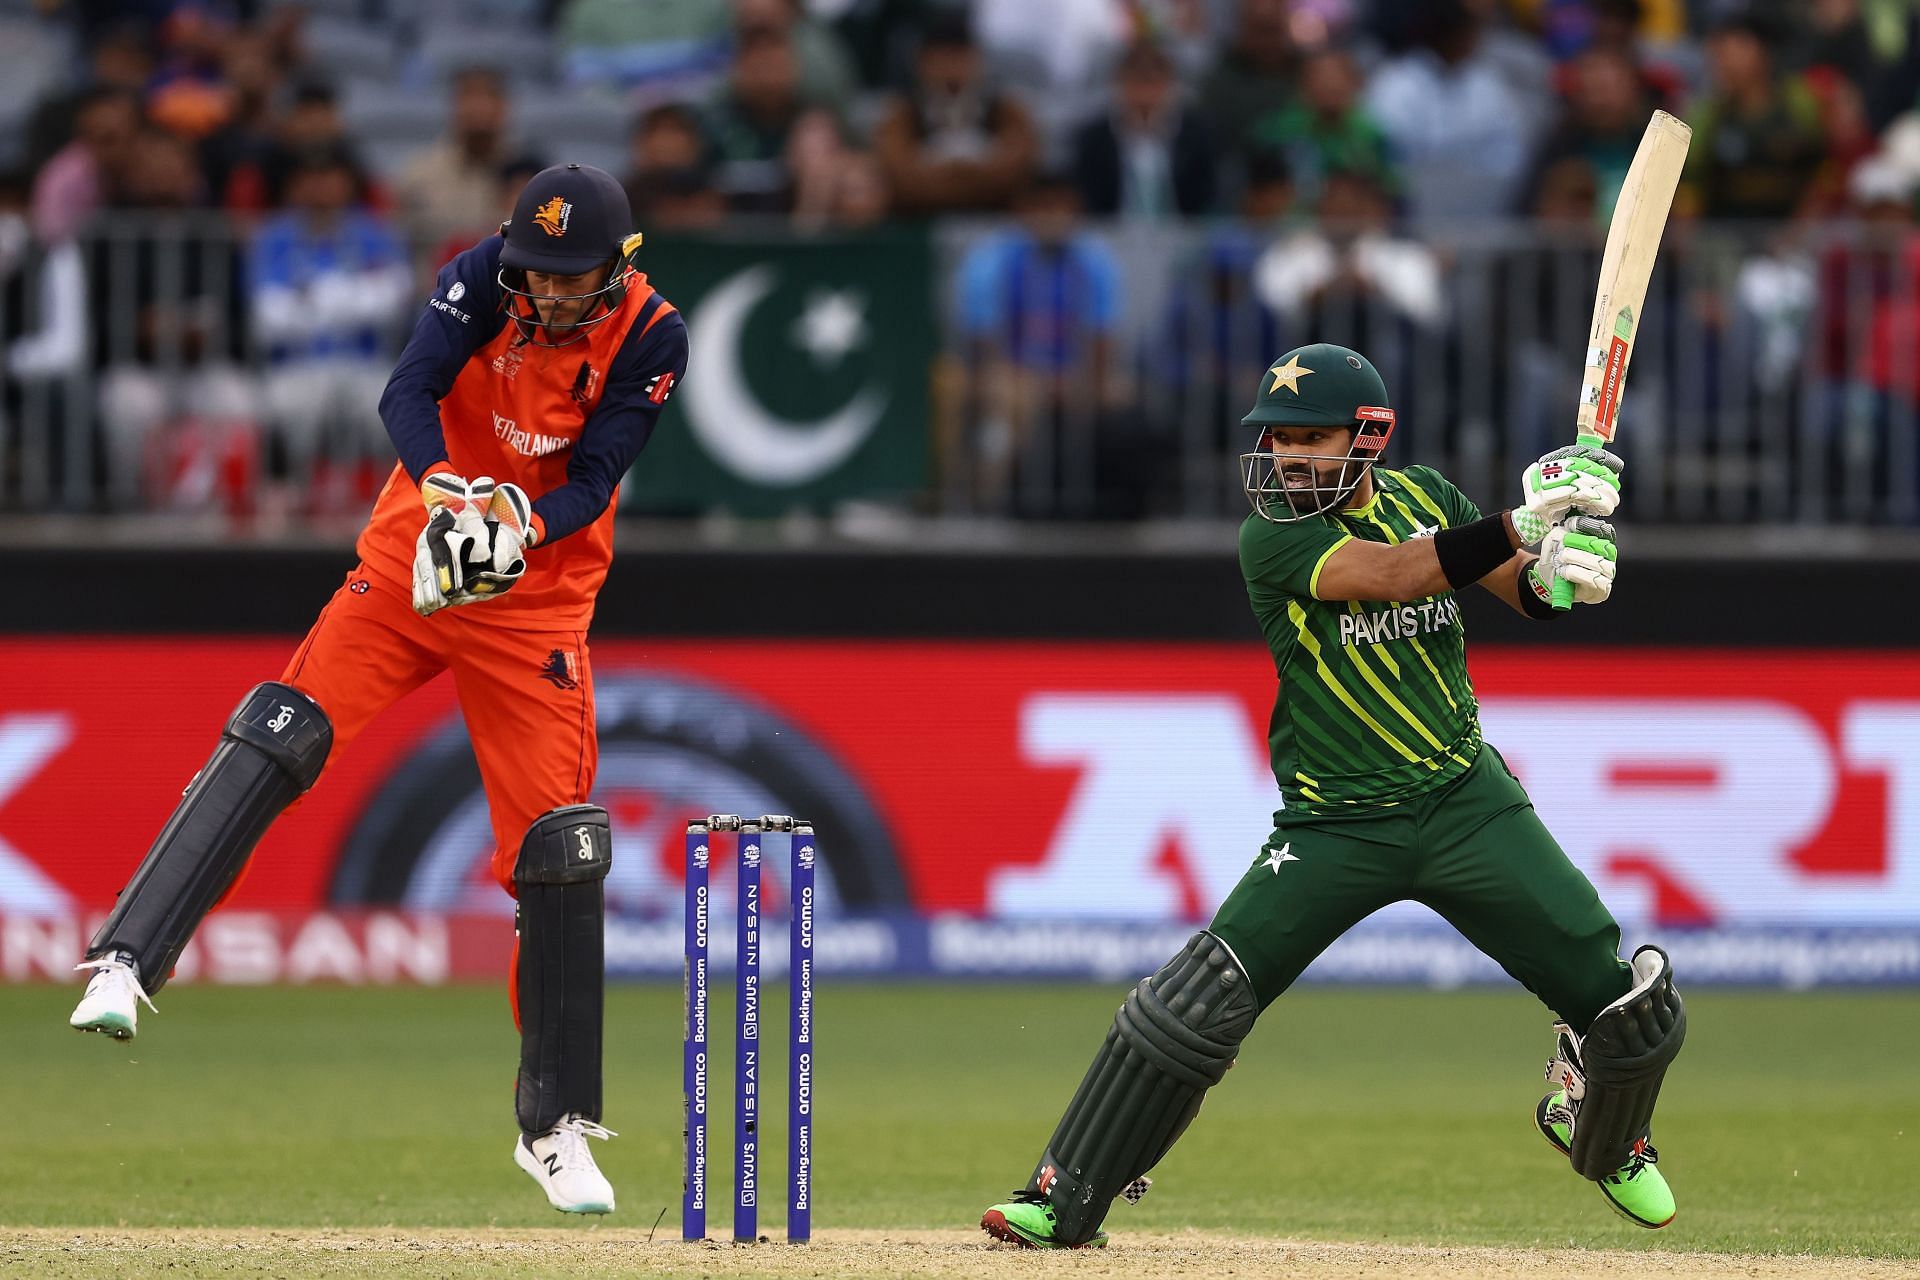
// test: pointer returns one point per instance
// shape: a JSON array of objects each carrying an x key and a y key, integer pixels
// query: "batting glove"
[
  {"x": 1581, "y": 552},
  {"x": 1576, "y": 480}
]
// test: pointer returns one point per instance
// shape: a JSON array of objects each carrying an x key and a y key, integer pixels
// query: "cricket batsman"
[
  {"x": 1389, "y": 794},
  {"x": 532, "y": 379}
]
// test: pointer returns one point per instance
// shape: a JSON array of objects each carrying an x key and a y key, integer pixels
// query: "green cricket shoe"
[
  {"x": 1637, "y": 1191},
  {"x": 1027, "y": 1220}
]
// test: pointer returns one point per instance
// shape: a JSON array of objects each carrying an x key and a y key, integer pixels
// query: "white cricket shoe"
[
  {"x": 559, "y": 1161},
  {"x": 113, "y": 999}
]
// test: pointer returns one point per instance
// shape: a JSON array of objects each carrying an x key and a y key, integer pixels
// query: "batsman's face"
[
  {"x": 563, "y": 300},
  {"x": 1309, "y": 458}
]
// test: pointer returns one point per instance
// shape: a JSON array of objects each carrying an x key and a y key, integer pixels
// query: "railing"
[{"x": 1775, "y": 382}]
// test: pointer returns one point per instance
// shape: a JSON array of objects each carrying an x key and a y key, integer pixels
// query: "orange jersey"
[{"x": 564, "y": 423}]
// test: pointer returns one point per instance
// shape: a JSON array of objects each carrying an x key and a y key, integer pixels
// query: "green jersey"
[{"x": 1374, "y": 704}]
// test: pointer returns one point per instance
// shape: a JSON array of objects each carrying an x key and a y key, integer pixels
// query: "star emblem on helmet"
[{"x": 1287, "y": 375}]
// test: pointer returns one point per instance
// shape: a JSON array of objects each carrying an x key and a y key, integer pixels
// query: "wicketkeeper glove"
[
  {"x": 507, "y": 531},
  {"x": 1580, "y": 552},
  {"x": 1576, "y": 480}
]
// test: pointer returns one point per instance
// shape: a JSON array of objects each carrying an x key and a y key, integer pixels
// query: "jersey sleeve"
[
  {"x": 1438, "y": 495},
  {"x": 1282, "y": 560},
  {"x": 650, "y": 363},
  {"x": 462, "y": 315}
]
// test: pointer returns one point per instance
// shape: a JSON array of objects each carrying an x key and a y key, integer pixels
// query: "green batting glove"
[
  {"x": 1576, "y": 480},
  {"x": 1576, "y": 564}
]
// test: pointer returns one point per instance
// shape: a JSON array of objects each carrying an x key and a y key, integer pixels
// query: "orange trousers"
[{"x": 526, "y": 695}]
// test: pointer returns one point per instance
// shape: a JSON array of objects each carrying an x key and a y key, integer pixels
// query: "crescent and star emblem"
[{"x": 734, "y": 425}]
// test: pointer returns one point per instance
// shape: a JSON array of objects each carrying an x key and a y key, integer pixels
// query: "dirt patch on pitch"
[{"x": 58, "y": 1253}]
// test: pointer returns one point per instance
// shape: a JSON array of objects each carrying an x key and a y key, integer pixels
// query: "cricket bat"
[{"x": 1639, "y": 221}]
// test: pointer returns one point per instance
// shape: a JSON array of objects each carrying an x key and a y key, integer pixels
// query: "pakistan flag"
[{"x": 807, "y": 377}]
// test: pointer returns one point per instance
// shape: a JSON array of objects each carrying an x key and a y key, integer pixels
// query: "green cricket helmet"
[{"x": 1321, "y": 385}]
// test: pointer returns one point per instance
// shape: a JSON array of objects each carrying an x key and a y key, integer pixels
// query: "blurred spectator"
[
  {"x": 861, "y": 200},
  {"x": 1756, "y": 134},
  {"x": 1544, "y": 303},
  {"x": 834, "y": 187},
  {"x": 1649, "y": 36},
  {"x": 823, "y": 69},
  {"x": 679, "y": 48},
  {"x": 684, "y": 200},
  {"x": 78, "y": 180},
  {"x": 1147, "y": 156},
  {"x": 1351, "y": 274},
  {"x": 751, "y": 118},
  {"x": 951, "y": 145},
  {"x": 1867, "y": 357},
  {"x": 1846, "y": 139},
  {"x": 1039, "y": 303},
  {"x": 121, "y": 60},
  {"x": 1864, "y": 270},
  {"x": 670, "y": 162},
  {"x": 1836, "y": 36},
  {"x": 43, "y": 320},
  {"x": 244, "y": 141},
  {"x": 513, "y": 175},
  {"x": 169, "y": 330},
  {"x": 1216, "y": 328},
  {"x": 443, "y": 186},
  {"x": 187, "y": 95},
  {"x": 1254, "y": 77},
  {"x": 1326, "y": 128},
  {"x": 1455, "y": 121},
  {"x": 1605, "y": 114},
  {"x": 312, "y": 119},
  {"x": 328, "y": 280}
]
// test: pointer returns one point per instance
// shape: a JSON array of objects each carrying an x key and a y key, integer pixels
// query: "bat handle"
[{"x": 1562, "y": 589}]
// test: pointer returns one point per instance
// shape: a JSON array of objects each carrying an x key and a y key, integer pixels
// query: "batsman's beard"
[{"x": 1285, "y": 487}]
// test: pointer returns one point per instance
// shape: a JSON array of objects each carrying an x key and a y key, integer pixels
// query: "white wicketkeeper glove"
[
  {"x": 1580, "y": 551},
  {"x": 1576, "y": 480},
  {"x": 507, "y": 531},
  {"x": 454, "y": 528}
]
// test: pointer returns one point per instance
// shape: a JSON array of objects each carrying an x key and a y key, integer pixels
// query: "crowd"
[{"x": 1327, "y": 139}]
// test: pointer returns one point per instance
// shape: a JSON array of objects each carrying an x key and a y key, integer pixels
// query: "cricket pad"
[
  {"x": 560, "y": 966},
  {"x": 271, "y": 752},
  {"x": 1172, "y": 1040},
  {"x": 1624, "y": 1056}
]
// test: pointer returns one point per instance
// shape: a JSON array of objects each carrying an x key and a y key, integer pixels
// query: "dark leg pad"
[
  {"x": 270, "y": 753},
  {"x": 561, "y": 978},
  {"x": 1172, "y": 1040},
  {"x": 1623, "y": 1058}
]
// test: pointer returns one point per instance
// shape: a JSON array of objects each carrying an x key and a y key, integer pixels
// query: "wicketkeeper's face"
[{"x": 564, "y": 300}]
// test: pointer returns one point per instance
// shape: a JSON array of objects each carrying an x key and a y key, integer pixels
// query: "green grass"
[{"x": 1790, "y": 1124}]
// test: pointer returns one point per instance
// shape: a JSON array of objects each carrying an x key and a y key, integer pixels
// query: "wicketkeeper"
[
  {"x": 1389, "y": 794},
  {"x": 531, "y": 382}
]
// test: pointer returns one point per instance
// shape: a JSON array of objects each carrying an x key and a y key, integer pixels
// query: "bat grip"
[{"x": 1562, "y": 589}]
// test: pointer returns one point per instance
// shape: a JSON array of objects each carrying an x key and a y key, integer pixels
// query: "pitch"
[{"x": 327, "y": 1131}]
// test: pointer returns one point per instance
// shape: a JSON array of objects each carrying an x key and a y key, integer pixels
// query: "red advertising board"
[{"x": 1011, "y": 780}]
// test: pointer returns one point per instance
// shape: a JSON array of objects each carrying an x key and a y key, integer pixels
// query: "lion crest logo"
[{"x": 552, "y": 216}]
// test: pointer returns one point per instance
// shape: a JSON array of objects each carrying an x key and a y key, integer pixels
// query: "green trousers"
[{"x": 1474, "y": 851}]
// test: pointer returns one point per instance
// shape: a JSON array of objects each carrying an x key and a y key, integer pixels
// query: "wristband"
[
  {"x": 1536, "y": 597},
  {"x": 1472, "y": 551}
]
